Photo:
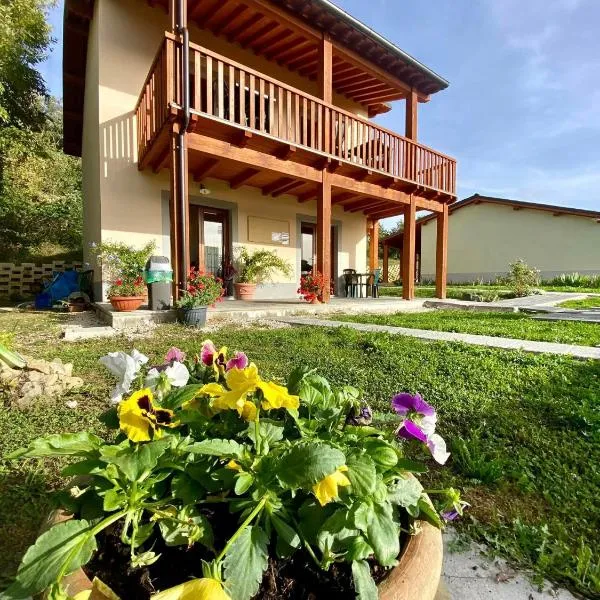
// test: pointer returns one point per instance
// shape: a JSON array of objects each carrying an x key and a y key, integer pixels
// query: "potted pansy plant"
[
  {"x": 202, "y": 290},
  {"x": 224, "y": 484}
]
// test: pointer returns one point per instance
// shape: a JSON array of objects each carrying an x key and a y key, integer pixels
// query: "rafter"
[
  {"x": 282, "y": 182},
  {"x": 243, "y": 178},
  {"x": 206, "y": 169}
]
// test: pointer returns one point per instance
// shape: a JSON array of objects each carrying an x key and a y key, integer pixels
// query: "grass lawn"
[
  {"x": 510, "y": 325},
  {"x": 525, "y": 429},
  {"x": 457, "y": 291},
  {"x": 589, "y": 302}
]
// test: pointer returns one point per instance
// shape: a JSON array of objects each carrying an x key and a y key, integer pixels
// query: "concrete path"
[
  {"x": 466, "y": 338},
  {"x": 469, "y": 575},
  {"x": 540, "y": 301}
]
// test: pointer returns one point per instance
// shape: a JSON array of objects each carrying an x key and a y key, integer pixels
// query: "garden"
[{"x": 522, "y": 432}]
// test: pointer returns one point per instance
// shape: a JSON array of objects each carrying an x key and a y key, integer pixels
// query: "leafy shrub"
[
  {"x": 575, "y": 280},
  {"x": 294, "y": 469},
  {"x": 260, "y": 266},
  {"x": 522, "y": 278}
]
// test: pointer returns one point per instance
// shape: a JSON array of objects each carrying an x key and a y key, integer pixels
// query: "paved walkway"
[
  {"x": 466, "y": 338},
  {"x": 469, "y": 575}
]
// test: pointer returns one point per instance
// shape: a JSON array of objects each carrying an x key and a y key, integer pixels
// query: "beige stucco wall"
[
  {"x": 124, "y": 204},
  {"x": 484, "y": 238}
]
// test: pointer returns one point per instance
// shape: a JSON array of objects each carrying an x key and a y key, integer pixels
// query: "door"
[
  {"x": 209, "y": 239},
  {"x": 308, "y": 254}
]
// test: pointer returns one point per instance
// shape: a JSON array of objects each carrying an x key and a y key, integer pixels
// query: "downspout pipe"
[{"x": 183, "y": 31}]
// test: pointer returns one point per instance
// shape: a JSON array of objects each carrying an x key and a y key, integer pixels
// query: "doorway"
[
  {"x": 210, "y": 239},
  {"x": 308, "y": 251}
]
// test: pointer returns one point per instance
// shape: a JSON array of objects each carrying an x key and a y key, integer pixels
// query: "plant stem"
[{"x": 242, "y": 527}]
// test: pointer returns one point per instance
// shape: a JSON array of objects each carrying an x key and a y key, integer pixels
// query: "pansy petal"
[
  {"x": 207, "y": 353},
  {"x": 437, "y": 447},
  {"x": 410, "y": 431},
  {"x": 177, "y": 374},
  {"x": 132, "y": 416},
  {"x": 174, "y": 354},
  {"x": 428, "y": 424},
  {"x": 195, "y": 589},
  {"x": 326, "y": 490},
  {"x": 239, "y": 361}
]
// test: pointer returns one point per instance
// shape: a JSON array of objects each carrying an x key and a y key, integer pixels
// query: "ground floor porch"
[{"x": 238, "y": 310}]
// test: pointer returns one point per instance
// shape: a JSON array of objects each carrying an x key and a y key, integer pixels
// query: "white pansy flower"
[{"x": 125, "y": 368}]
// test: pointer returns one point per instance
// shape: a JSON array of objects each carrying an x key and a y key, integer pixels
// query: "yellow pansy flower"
[
  {"x": 140, "y": 420},
  {"x": 98, "y": 590},
  {"x": 241, "y": 383},
  {"x": 195, "y": 589},
  {"x": 326, "y": 490},
  {"x": 233, "y": 466}
]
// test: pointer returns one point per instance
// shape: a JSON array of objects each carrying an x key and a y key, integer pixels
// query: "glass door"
[
  {"x": 209, "y": 239},
  {"x": 308, "y": 254}
]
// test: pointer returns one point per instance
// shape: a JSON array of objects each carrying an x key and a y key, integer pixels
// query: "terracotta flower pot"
[
  {"x": 126, "y": 303},
  {"x": 244, "y": 291},
  {"x": 417, "y": 576}
]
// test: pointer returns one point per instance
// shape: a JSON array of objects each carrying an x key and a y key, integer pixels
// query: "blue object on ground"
[{"x": 61, "y": 286}]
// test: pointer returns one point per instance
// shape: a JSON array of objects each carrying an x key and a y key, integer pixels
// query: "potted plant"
[
  {"x": 224, "y": 485},
  {"x": 311, "y": 287},
  {"x": 122, "y": 266},
  {"x": 202, "y": 290},
  {"x": 257, "y": 267}
]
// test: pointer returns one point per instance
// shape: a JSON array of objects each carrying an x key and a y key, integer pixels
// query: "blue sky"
[{"x": 522, "y": 113}]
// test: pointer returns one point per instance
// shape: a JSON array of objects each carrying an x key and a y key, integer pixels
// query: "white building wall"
[{"x": 484, "y": 238}]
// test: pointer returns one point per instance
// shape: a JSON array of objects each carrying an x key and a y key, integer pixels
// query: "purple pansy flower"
[
  {"x": 239, "y": 361},
  {"x": 411, "y": 431},
  {"x": 405, "y": 403},
  {"x": 175, "y": 354},
  {"x": 361, "y": 415},
  {"x": 454, "y": 513}
]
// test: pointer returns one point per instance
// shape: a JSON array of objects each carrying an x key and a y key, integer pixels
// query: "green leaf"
[
  {"x": 428, "y": 513},
  {"x": 382, "y": 453},
  {"x": 361, "y": 515},
  {"x": 50, "y": 555},
  {"x": 245, "y": 563},
  {"x": 216, "y": 447},
  {"x": 366, "y": 588},
  {"x": 295, "y": 379},
  {"x": 135, "y": 460},
  {"x": 269, "y": 431},
  {"x": 243, "y": 482},
  {"x": 180, "y": 396},
  {"x": 384, "y": 535},
  {"x": 187, "y": 489},
  {"x": 337, "y": 532},
  {"x": 304, "y": 466},
  {"x": 65, "y": 444},
  {"x": 114, "y": 499},
  {"x": 413, "y": 466},
  {"x": 359, "y": 549},
  {"x": 190, "y": 526},
  {"x": 405, "y": 492},
  {"x": 288, "y": 534},
  {"x": 362, "y": 475}
]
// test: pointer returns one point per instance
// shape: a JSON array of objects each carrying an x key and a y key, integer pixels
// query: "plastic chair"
[
  {"x": 375, "y": 279},
  {"x": 350, "y": 283}
]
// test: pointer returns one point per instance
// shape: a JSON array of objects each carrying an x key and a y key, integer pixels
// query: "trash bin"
[{"x": 158, "y": 276}]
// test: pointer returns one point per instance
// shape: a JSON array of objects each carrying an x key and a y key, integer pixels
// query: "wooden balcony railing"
[{"x": 227, "y": 91}]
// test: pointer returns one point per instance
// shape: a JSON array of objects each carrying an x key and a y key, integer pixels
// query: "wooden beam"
[
  {"x": 306, "y": 196},
  {"x": 251, "y": 158},
  {"x": 387, "y": 213},
  {"x": 287, "y": 188},
  {"x": 242, "y": 138},
  {"x": 345, "y": 197},
  {"x": 275, "y": 185},
  {"x": 287, "y": 152},
  {"x": 408, "y": 250},
  {"x": 324, "y": 233},
  {"x": 258, "y": 36},
  {"x": 206, "y": 169},
  {"x": 243, "y": 178},
  {"x": 253, "y": 20},
  {"x": 441, "y": 263}
]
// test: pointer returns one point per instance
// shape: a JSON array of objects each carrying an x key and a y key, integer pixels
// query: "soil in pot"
[{"x": 297, "y": 578}]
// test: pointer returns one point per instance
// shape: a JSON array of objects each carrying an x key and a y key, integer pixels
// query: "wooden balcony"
[{"x": 283, "y": 131}]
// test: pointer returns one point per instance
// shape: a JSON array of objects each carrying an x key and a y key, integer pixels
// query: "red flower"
[{"x": 119, "y": 282}]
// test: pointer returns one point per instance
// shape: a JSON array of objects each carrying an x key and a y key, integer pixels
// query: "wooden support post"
[
  {"x": 325, "y": 69},
  {"x": 374, "y": 245},
  {"x": 412, "y": 102},
  {"x": 441, "y": 265},
  {"x": 408, "y": 250},
  {"x": 324, "y": 233},
  {"x": 386, "y": 266}
]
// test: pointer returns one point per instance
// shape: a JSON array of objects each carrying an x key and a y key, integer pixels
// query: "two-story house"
[{"x": 206, "y": 125}]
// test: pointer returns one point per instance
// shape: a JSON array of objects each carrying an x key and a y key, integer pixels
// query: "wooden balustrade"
[{"x": 226, "y": 90}]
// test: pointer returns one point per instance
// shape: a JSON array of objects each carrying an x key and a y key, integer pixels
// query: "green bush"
[
  {"x": 522, "y": 278},
  {"x": 575, "y": 280}
]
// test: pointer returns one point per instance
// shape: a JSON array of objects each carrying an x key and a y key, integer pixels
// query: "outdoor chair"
[
  {"x": 374, "y": 283},
  {"x": 350, "y": 283}
]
